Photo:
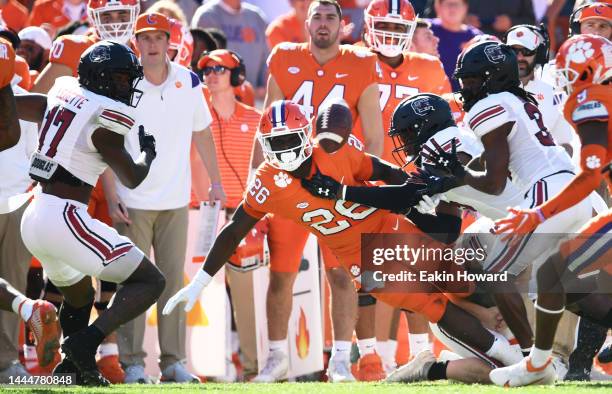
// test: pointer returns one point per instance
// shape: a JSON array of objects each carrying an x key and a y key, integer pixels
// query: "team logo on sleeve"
[
  {"x": 100, "y": 54},
  {"x": 422, "y": 107},
  {"x": 494, "y": 53}
]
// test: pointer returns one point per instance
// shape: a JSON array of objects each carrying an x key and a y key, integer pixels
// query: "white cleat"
[
  {"x": 416, "y": 370},
  {"x": 275, "y": 370},
  {"x": 524, "y": 374},
  {"x": 136, "y": 374},
  {"x": 339, "y": 371},
  {"x": 177, "y": 373}
]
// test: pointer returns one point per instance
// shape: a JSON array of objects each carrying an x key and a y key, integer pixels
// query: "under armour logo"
[{"x": 323, "y": 191}]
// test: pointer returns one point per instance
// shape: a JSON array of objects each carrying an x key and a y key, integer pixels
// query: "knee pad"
[{"x": 366, "y": 300}]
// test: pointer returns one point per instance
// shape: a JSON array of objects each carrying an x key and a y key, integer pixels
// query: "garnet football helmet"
[
  {"x": 387, "y": 43},
  {"x": 120, "y": 31},
  {"x": 582, "y": 60},
  {"x": 284, "y": 134}
]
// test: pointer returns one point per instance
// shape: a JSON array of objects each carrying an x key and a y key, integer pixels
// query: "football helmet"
[
  {"x": 115, "y": 30},
  {"x": 387, "y": 43},
  {"x": 111, "y": 69},
  {"x": 583, "y": 60},
  {"x": 494, "y": 63},
  {"x": 181, "y": 41},
  {"x": 415, "y": 120},
  {"x": 284, "y": 134}
]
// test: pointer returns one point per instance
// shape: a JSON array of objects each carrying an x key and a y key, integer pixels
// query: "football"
[{"x": 334, "y": 125}]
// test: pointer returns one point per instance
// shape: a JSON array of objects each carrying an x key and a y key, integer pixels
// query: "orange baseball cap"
[
  {"x": 221, "y": 56},
  {"x": 152, "y": 21},
  {"x": 597, "y": 10}
]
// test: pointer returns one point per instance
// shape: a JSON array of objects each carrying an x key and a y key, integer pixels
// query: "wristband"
[
  {"x": 540, "y": 214},
  {"x": 215, "y": 185}
]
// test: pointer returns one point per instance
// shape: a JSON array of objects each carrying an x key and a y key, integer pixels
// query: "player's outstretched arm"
[
  {"x": 10, "y": 132},
  {"x": 224, "y": 246},
  {"x": 371, "y": 120},
  {"x": 111, "y": 146},
  {"x": 31, "y": 107},
  {"x": 386, "y": 172}
]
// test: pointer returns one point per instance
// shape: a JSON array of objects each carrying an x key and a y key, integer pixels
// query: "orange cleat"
[
  {"x": 110, "y": 368},
  {"x": 45, "y": 329},
  {"x": 371, "y": 368}
]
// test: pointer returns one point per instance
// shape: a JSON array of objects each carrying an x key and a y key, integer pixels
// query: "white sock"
[
  {"x": 386, "y": 350},
  {"x": 341, "y": 350},
  {"x": 502, "y": 351},
  {"x": 23, "y": 306},
  {"x": 366, "y": 346},
  {"x": 235, "y": 342},
  {"x": 279, "y": 346},
  {"x": 418, "y": 343},
  {"x": 108, "y": 349},
  {"x": 539, "y": 357}
]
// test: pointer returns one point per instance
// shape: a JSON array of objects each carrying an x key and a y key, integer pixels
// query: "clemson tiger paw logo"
[
  {"x": 282, "y": 180},
  {"x": 593, "y": 162},
  {"x": 580, "y": 52}
]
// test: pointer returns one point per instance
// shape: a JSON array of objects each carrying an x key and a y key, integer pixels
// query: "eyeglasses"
[
  {"x": 524, "y": 51},
  {"x": 218, "y": 70}
]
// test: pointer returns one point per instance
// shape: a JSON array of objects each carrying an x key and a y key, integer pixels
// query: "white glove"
[
  {"x": 189, "y": 293},
  {"x": 427, "y": 205}
]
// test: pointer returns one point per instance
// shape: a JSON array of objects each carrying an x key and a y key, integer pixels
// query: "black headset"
[
  {"x": 238, "y": 73},
  {"x": 542, "y": 50},
  {"x": 574, "y": 26}
]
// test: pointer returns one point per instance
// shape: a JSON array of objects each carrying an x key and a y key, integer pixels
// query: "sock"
[
  {"x": 341, "y": 350},
  {"x": 418, "y": 343},
  {"x": 235, "y": 342},
  {"x": 23, "y": 306},
  {"x": 282, "y": 346},
  {"x": 437, "y": 371},
  {"x": 74, "y": 319},
  {"x": 100, "y": 307},
  {"x": 108, "y": 349},
  {"x": 387, "y": 350},
  {"x": 366, "y": 346},
  {"x": 539, "y": 357},
  {"x": 94, "y": 336}
]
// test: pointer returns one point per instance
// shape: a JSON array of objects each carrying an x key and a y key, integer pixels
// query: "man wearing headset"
[{"x": 155, "y": 214}]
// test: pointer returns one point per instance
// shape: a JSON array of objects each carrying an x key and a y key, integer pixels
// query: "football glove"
[
  {"x": 147, "y": 141},
  {"x": 442, "y": 160},
  {"x": 323, "y": 186},
  {"x": 188, "y": 294}
]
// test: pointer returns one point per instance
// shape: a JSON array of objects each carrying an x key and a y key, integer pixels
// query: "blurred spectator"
[
  {"x": 272, "y": 9},
  {"x": 181, "y": 44},
  {"x": 539, "y": 9},
  {"x": 558, "y": 18},
  {"x": 34, "y": 47},
  {"x": 10, "y": 35},
  {"x": 170, "y": 9},
  {"x": 352, "y": 15},
  {"x": 452, "y": 32},
  {"x": 202, "y": 42},
  {"x": 219, "y": 37},
  {"x": 596, "y": 19},
  {"x": 424, "y": 40},
  {"x": 244, "y": 25},
  {"x": 14, "y": 14},
  {"x": 496, "y": 17},
  {"x": 22, "y": 73},
  {"x": 290, "y": 26},
  {"x": 53, "y": 14},
  {"x": 76, "y": 28},
  {"x": 189, "y": 7}
]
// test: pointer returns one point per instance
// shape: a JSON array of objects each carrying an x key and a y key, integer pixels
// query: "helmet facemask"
[
  {"x": 286, "y": 149},
  {"x": 117, "y": 31},
  {"x": 387, "y": 43}
]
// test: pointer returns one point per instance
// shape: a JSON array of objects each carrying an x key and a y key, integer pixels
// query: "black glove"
[
  {"x": 442, "y": 160},
  {"x": 147, "y": 141},
  {"x": 323, "y": 186},
  {"x": 433, "y": 184}
]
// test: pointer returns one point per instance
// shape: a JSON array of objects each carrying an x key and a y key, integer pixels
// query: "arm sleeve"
[
  {"x": 441, "y": 227},
  {"x": 394, "y": 198}
]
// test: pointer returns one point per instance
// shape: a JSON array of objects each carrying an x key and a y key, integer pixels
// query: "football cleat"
[
  {"x": 84, "y": 359},
  {"x": 136, "y": 374},
  {"x": 524, "y": 373},
  {"x": 371, "y": 368},
  {"x": 45, "y": 329},
  {"x": 110, "y": 368},
  {"x": 339, "y": 371},
  {"x": 275, "y": 370},
  {"x": 177, "y": 373},
  {"x": 416, "y": 370}
]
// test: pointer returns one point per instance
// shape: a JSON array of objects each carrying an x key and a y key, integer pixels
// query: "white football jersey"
[
  {"x": 533, "y": 153},
  {"x": 73, "y": 114},
  {"x": 494, "y": 207}
]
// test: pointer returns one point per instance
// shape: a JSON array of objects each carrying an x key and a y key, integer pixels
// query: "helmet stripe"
[
  {"x": 282, "y": 114},
  {"x": 394, "y": 6}
]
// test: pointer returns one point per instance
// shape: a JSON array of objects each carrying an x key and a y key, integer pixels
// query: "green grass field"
[{"x": 319, "y": 388}]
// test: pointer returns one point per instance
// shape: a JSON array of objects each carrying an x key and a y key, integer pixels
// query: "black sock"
[
  {"x": 94, "y": 336},
  {"x": 437, "y": 371},
  {"x": 100, "y": 306},
  {"x": 74, "y": 319}
]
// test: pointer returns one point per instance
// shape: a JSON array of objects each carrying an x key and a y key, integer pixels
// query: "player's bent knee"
[
  {"x": 339, "y": 279},
  {"x": 549, "y": 274}
]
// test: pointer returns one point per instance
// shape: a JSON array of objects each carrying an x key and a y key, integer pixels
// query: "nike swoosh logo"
[
  {"x": 411, "y": 78},
  {"x": 396, "y": 227},
  {"x": 339, "y": 75}
]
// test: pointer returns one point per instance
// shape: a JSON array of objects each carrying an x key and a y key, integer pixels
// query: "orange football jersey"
[
  {"x": 339, "y": 224},
  {"x": 418, "y": 73},
  {"x": 586, "y": 105},
  {"x": 23, "y": 70},
  {"x": 14, "y": 14},
  {"x": 305, "y": 82},
  {"x": 67, "y": 50},
  {"x": 51, "y": 12},
  {"x": 286, "y": 27}
]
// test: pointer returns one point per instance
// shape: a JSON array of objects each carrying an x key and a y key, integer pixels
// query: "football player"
[
  {"x": 312, "y": 74},
  {"x": 583, "y": 65},
  {"x": 84, "y": 122},
  {"x": 39, "y": 316},
  {"x": 284, "y": 134},
  {"x": 111, "y": 19}
]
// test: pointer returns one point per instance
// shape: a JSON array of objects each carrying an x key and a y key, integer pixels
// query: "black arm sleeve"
[
  {"x": 394, "y": 198},
  {"x": 441, "y": 227}
]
